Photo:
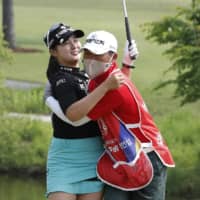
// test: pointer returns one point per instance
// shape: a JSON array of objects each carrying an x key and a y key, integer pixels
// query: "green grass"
[
  {"x": 33, "y": 18},
  {"x": 182, "y": 130}
]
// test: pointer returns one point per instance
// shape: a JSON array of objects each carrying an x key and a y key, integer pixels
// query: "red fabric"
[
  {"x": 126, "y": 177},
  {"x": 129, "y": 105},
  {"x": 122, "y": 145},
  {"x": 120, "y": 107}
]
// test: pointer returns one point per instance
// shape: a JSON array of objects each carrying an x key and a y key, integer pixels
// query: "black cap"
[{"x": 59, "y": 33}]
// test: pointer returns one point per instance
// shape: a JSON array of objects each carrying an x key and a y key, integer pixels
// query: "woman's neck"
[{"x": 69, "y": 64}]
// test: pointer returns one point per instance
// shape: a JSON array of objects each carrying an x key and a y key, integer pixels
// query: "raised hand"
[{"x": 130, "y": 53}]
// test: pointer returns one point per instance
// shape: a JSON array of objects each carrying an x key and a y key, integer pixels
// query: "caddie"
[{"x": 134, "y": 164}]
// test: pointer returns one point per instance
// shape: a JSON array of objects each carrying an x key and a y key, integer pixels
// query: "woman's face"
[{"x": 68, "y": 53}]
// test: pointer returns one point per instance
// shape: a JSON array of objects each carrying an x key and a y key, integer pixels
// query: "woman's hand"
[{"x": 114, "y": 80}]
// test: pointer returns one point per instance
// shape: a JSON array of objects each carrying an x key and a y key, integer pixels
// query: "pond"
[
  {"x": 22, "y": 188},
  {"x": 27, "y": 188}
]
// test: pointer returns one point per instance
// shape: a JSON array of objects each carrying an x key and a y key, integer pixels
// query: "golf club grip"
[{"x": 128, "y": 33}]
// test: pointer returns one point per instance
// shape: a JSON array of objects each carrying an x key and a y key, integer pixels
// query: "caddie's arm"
[{"x": 130, "y": 55}]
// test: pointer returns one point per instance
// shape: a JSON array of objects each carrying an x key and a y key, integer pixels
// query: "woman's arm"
[
  {"x": 54, "y": 106},
  {"x": 81, "y": 108}
]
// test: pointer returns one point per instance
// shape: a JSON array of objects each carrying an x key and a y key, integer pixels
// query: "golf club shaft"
[{"x": 127, "y": 26}]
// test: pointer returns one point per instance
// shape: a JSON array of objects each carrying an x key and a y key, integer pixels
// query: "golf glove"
[{"x": 130, "y": 53}]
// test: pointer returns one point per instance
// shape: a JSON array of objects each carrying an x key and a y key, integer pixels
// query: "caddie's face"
[
  {"x": 102, "y": 58},
  {"x": 95, "y": 65},
  {"x": 68, "y": 53}
]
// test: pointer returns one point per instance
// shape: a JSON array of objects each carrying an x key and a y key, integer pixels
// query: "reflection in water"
[{"x": 25, "y": 188}]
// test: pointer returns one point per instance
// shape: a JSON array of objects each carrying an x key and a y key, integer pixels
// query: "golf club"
[{"x": 127, "y": 26}]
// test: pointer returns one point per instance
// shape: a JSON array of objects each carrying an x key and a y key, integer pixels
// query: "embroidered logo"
[{"x": 60, "y": 81}]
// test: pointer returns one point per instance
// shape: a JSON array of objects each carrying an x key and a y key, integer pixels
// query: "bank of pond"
[
  {"x": 23, "y": 151},
  {"x": 24, "y": 145}
]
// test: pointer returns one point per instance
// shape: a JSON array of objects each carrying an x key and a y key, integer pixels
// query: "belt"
[
  {"x": 147, "y": 147},
  {"x": 148, "y": 150}
]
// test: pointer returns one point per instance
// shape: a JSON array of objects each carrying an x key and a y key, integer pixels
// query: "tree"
[
  {"x": 182, "y": 31},
  {"x": 5, "y": 54},
  {"x": 8, "y": 23}
]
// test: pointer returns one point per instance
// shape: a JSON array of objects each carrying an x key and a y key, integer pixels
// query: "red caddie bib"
[{"x": 124, "y": 164}]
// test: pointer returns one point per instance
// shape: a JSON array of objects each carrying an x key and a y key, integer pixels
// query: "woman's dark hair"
[{"x": 53, "y": 67}]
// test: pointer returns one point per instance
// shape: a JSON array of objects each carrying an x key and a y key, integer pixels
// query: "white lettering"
[
  {"x": 126, "y": 143},
  {"x": 60, "y": 82}
]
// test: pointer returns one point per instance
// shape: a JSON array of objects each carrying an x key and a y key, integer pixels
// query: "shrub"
[
  {"x": 23, "y": 145},
  {"x": 23, "y": 101},
  {"x": 182, "y": 135}
]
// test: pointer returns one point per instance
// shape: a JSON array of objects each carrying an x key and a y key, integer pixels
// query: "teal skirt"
[{"x": 71, "y": 165}]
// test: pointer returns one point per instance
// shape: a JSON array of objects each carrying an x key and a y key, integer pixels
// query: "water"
[
  {"x": 18, "y": 188},
  {"x": 27, "y": 188}
]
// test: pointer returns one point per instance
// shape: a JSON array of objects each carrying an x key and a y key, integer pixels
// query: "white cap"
[{"x": 100, "y": 42}]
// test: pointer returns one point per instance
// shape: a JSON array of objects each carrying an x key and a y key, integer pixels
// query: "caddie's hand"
[
  {"x": 47, "y": 91},
  {"x": 115, "y": 79},
  {"x": 130, "y": 53}
]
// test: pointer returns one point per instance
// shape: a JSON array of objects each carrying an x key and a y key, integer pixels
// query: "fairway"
[{"x": 33, "y": 18}]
